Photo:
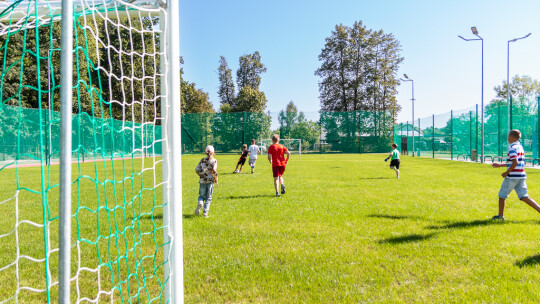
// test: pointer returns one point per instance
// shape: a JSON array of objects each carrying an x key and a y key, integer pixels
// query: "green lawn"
[{"x": 346, "y": 231}]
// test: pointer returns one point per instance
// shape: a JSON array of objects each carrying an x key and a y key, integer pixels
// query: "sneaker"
[
  {"x": 198, "y": 210},
  {"x": 205, "y": 215},
  {"x": 282, "y": 189},
  {"x": 497, "y": 217},
  {"x": 277, "y": 194}
]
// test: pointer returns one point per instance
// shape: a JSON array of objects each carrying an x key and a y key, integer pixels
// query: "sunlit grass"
[{"x": 346, "y": 231}]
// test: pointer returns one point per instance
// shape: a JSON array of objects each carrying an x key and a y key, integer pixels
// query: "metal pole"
[
  {"x": 433, "y": 137},
  {"x": 470, "y": 134},
  {"x": 476, "y": 131},
  {"x": 538, "y": 126},
  {"x": 482, "y": 139},
  {"x": 451, "y": 134},
  {"x": 413, "y": 151},
  {"x": 173, "y": 120},
  {"x": 508, "y": 100},
  {"x": 66, "y": 95},
  {"x": 419, "y": 128},
  {"x": 499, "y": 129}
]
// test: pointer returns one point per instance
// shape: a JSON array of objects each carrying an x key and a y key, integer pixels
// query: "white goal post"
[{"x": 292, "y": 144}]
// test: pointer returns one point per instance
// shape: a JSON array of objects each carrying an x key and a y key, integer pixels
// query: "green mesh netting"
[
  {"x": 118, "y": 252},
  {"x": 457, "y": 135},
  {"x": 332, "y": 132}
]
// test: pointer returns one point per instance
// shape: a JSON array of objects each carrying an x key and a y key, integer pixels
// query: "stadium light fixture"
[
  {"x": 508, "y": 98},
  {"x": 475, "y": 32},
  {"x": 412, "y": 82}
]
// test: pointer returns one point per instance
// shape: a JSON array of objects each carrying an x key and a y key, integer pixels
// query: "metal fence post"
[
  {"x": 470, "y": 134},
  {"x": 451, "y": 134},
  {"x": 433, "y": 137},
  {"x": 476, "y": 131},
  {"x": 538, "y": 126}
]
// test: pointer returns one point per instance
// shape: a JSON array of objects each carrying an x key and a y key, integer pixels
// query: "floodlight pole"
[
  {"x": 475, "y": 32},
  {"x": 509, "y": 99},
  {"x": 412, "y": 83},
  {"x": 66, "y": 95}
]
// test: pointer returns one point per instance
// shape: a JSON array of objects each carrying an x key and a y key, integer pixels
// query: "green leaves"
[
  {"x": 358, "y": 70},
  {"x": 248, "y": 78}
]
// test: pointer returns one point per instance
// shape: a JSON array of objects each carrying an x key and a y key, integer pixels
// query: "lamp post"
[
  {"x": 509, "y": 100},
  {"x": 475, "y": 32},
  {"x": 412, "y": 82}
]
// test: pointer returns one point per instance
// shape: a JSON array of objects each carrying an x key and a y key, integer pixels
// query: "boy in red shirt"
[{"x": 276, "y": 156}]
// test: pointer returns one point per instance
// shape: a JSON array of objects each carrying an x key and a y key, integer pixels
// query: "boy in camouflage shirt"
[{"x": 207, "y": 171}]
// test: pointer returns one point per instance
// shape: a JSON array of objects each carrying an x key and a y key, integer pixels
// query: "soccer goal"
[
  {"x": 90, "y": 152},
  {"x": 293, "y": 145}
]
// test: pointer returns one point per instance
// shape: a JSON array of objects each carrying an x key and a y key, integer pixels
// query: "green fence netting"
[
  {"x": 457, "y": 134},
  {"x": 329, "y": 132}
]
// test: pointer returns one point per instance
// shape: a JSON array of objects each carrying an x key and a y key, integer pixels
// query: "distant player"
[
  {"x": 395, "y": 161},
  {"x": 242, "y": 159},
  {"x": 207, "y": 171},
  {"x": 253, "y": 150},
  {"x": 276, "y": 156},
  {"x": 514, "y": 176}
]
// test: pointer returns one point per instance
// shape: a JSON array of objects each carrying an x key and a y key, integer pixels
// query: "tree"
[
  {"x": 306, "y": 130},
  {"x": 226, "y": 90},
  {"x": 249, "y": 71},
  {"x": 287, "y": 118},
  {"x": 293, "y": 124},
  {"x": 523, "y": 89},
  {"x": 194, "y": 100},
  {"x": 359, "y": 70},
  {"x": 249, "y": 98}
]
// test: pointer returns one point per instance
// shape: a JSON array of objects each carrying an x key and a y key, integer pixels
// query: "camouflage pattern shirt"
[{"x": 207, "y": 170}]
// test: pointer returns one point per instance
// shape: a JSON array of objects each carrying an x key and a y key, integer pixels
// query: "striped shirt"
[{"x": 515, "y": 151}]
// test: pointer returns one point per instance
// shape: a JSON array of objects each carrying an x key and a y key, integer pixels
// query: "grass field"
[{"x": 346, "y": 231}]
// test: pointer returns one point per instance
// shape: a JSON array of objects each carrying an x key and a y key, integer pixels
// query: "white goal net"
[
  {"x": 124, "y": 135},
  {"x": 293, "y": 145}
]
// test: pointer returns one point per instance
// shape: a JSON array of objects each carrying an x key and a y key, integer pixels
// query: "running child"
[
  {"x": 207, "y": 171},
  {"x": 395, "y": 161},
  {"x": 514, "y": 176},
  {"x": 242, "y": 159},
  {"x": 253, "y": 151},
  {"x": 276, "y": 157}
]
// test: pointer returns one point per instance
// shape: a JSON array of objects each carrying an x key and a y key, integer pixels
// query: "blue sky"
[{"x": 290, "y": 35}]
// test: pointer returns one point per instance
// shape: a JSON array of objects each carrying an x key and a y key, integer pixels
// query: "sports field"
[{"x": 348, "y": 231}]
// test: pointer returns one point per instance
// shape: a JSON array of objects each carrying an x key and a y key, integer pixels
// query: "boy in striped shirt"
[{"x": 514, "y": 176}]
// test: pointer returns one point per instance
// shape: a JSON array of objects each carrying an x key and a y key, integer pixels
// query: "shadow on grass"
[
  {"x": 530, "y": 261},
  {"x": 377, "y": 178},
  {"x": 189, "y": 216},
  {"x": 407, "y": 239},
  {"x": 394, "y": 217},
  {"x": 248, "y": 196},
  {"x": 465, "y": 224}
]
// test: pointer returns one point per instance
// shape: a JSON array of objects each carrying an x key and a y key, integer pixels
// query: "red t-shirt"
[{"x": 278, "y": 158}]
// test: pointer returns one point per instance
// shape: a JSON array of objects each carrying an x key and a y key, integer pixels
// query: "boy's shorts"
[
  {"x": 513, "y": 184},
  {"x": 242, "y": 161},
  {"x": 278, "y": 171},
  {"x": 252, "y": 161},
  {"x": 395, "y": 163}
]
